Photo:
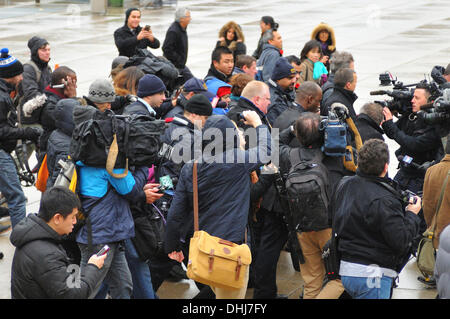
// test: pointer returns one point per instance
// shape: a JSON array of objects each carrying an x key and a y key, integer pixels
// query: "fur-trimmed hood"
[
  {"x": 331, "y": 40},
  {"x": 238, "y": 34}
]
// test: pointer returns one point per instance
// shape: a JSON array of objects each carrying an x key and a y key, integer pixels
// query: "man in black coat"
[
  {"x": 374, "y": 231},
  {"x": 344, "y": 86},
  {"x": 369, "y": 120},
  {"x": 10, "y": 76},
  {"x": 175, "y": 46},
  {"x": 281, "y": 84},
  {"x": 132, "y": 36},
  {"x": 40, "y": 267},
  {"x": 151, "y": 94}
]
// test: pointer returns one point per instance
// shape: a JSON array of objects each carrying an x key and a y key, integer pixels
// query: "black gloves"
[{"x": 32, "y": 133}]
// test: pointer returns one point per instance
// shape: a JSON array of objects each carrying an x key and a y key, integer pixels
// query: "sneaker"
[{"x": 4, "y": 228}]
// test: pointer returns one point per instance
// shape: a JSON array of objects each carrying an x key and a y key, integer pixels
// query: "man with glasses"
[
  {"x": 281, "y": 84},
  {"x": 175, "y": 46}
]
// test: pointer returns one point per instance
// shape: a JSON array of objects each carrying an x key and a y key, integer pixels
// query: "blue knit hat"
[
  {"x": 150, "y": 84},
  {"x": 9, "y": 65},
  {"x": 282, "y": 69}
]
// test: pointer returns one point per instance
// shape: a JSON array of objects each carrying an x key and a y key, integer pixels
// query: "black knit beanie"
[{"x": 199, "y": 104}]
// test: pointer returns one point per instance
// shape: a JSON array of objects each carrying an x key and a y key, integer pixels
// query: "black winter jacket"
[
  {"x": 127, "y": 42},
  {"x": 343, "y": 96},
  {"x": 175, "y": 46},
  {"x": 280, "y": 101},
  {"x": 245, "y": 105},
  {"x": 371, "y": 224},
  {"x": 417, "y": 140},
  {"x": 58, "y": 146},
  {"x": 40, "y": 265},
  {"x": 367, "y": 128},
  {"x": 9, "y": 133}
]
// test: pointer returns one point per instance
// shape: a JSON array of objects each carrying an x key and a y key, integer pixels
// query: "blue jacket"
[
  {"x": 223, "y": 189},
  {"x": 111, "y": 218},
  {"x": 267, "y": 60}
]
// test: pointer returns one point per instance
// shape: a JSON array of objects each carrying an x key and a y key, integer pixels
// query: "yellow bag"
[{"x": 214, "y": 261}]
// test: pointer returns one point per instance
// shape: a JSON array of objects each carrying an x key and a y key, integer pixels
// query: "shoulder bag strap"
[
  {"x": 195, "y": 190},
  {"x": 444, "y": 186}
]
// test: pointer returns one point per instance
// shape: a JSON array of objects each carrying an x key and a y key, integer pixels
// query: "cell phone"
[
  {"x": 59, "y": 86},
  {"x": 407, "y": 159},
  {"x": 103, "y": 251},
  {"x": 147, "y": 28}
]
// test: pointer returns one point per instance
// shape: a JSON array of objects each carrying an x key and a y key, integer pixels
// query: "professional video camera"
[
  {"x": 401, "y": 94},
  {"x": 438, "y": 113}
]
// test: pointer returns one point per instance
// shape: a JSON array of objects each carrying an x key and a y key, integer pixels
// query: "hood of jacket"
[
  {"x": 331, "y": 39},
  {"x": 32, "y": 228},
  {"x": 219, "y": 133},
  {"x": 34, "y": 44},
  {"x": 64, "y": 115},
  {"x": 238, "y": 35},
  {"x": 83, "y": 113}
]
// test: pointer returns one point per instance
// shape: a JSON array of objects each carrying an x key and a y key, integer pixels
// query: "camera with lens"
[
  {"x": 409, "y": 197},
  {"x": 438, "y": 113}
]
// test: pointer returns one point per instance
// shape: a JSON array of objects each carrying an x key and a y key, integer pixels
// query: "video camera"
[
  {"x": 439, "y": 112},
  {"x": 401, "y": 94}
]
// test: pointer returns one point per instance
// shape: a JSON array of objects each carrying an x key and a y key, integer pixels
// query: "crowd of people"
[{"x": 249, "y": 120}]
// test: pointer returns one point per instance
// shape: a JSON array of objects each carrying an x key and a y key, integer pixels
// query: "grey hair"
[
  {"x": 339, "y": 60},
  {"x": 180, "y": 13},
  {"x": 268, "y": 35}
]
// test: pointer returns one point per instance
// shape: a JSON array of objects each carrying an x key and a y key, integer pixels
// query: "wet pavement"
[{"x": 405, "y": 37}]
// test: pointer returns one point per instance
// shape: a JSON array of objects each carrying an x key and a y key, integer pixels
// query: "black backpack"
[
  {"x": 307, "y": 189},
  {"x": 137, "y": 137}
]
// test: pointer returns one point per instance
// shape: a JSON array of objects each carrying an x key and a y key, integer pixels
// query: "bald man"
[{"x": 308, "y": 97}]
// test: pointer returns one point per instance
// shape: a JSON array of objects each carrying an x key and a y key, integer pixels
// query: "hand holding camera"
[
  {"x": 251, "y": 118},
  {"x": 152, "y": 193},
  {"x": 415, "y": 204}
]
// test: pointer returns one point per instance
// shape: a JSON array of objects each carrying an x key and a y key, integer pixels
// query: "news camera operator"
[
  {"x": 417, "y": 140},
  {"x": 374, "y": 231}
]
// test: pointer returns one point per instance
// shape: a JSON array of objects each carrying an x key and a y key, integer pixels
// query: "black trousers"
[{"x": 272, "y": 240}]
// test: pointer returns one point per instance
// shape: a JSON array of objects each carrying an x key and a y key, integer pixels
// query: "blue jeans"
[
  {"x": 368, "y": 288},
  {"x": 140, "y": 273},
  {"x": 115, "y": 271},
  {"x": 10, "y": 188}
]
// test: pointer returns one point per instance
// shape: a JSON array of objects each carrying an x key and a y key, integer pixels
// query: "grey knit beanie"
[{"x": 101, "y": 91}]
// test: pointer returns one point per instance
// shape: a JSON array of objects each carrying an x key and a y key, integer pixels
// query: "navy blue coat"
[{"x": 223, "y": 190}]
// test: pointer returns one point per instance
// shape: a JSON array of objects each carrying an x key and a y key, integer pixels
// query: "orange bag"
[{"x": 42, "y": 176}]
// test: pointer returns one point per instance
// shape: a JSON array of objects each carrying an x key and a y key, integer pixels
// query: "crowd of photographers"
[{"x": 284, "y": 162}]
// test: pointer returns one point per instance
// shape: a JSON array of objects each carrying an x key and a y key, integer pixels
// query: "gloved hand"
[{"x": 32, "y": 133}]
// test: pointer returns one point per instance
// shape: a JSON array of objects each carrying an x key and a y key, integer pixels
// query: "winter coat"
[
  {"x": 329, "y": 47},
  {"x": 9, "y": 133},
  {"x": 111, "y": 218},
  {"x": 327, "y": 90},
  {"x": 58, "y": 145},
  {"x": 32, "y": 90},
  {"x": 40, "y": 265},
  {"x": 257, "y": 53},
  {"x": 267, "y": 61},
  {"x": 417, "y": 140},
  {"x": 307, "y": 72},
  {"x": 137, "y": 108},
  {"x": 236, "y": 45},
  {"x": 288, "y": 117},
  {"x": 126, "y": 41},
  {"x": 367, "y": 128},
  {"x": 372, "y": 226},
  {"x": 434, "y": 179},
  {"x": 213, "y": 74},
  {"x": 442, "y": 268},
  {"x": 280, "y": 101},
  {"x": 223, "y": 188},
  {"x": 175, "y": 46},
  {"x": 343, "y": 96}
]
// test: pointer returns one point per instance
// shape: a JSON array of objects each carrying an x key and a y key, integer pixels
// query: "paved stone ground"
[{"x": 405, "y": 37}]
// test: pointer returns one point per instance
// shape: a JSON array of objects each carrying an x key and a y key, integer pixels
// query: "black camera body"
[{"x": 438, "y": 114}]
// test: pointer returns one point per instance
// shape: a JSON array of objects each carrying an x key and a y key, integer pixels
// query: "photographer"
[
  {"x": 374, "y": 232},
  {"x": 417, "y": 140}
]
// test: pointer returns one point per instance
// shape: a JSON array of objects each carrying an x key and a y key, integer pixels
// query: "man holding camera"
[
  {"x": 417, "y": 140},
  {"x": 374, "y": 231}
]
